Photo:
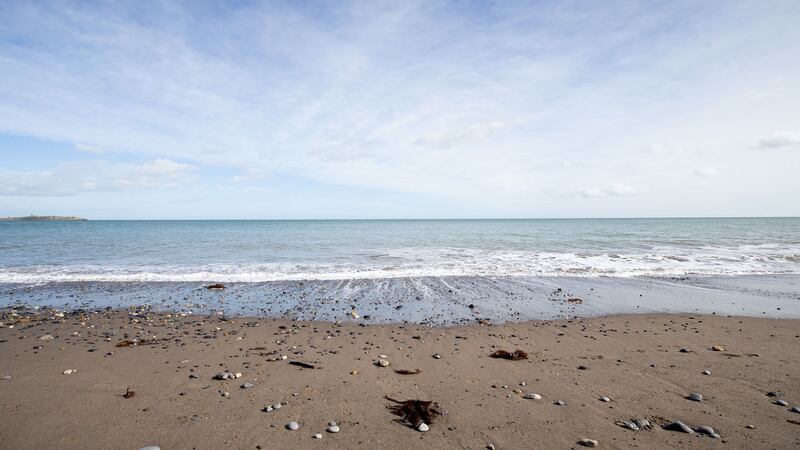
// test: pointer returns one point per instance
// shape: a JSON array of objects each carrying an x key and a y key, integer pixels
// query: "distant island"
[{"x": 41, "y": 218}]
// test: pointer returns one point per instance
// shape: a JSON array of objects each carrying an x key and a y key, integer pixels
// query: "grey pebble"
[
  {"x": 781, "y": 402},
  {"x": 247, "y": 385},
  {"x": 704, "y": 429},
  {"x": 695, "y": 397},
  {"x": 293, "y": 426},
  {"x": 773, "y": 394},
  {"x": 795, "y": 409},
  {"x": 559, "y": 402},
  {"x": 678, "y": 426}
]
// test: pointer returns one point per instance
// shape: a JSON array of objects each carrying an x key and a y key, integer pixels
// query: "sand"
[{"x": 634, "y": 360}]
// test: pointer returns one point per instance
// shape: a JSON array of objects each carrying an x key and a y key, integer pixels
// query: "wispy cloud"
[
  {"x": 72, "y": 179},
  {"x": 780, "y": 139}
]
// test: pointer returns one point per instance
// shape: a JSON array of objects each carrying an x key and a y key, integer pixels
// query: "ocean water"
[{"x": 264, "y": 251}]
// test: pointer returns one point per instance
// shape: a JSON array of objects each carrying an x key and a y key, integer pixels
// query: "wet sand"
[{"x": 635, "y": 360}]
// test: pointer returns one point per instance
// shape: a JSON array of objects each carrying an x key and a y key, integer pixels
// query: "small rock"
[
  {"x": 628, "y": 424},
  {"x": 69, "y": 371},
  {"x": 490, "y": 447},
  {"x": 532, "y": 396},
  {"x": 247, "y": 385},
  {"x": 383, "y": 363},
  {"x": 151, "y": 447},
  {"x": 685, "y": 350},
  {"x": 605, "y": 399},
  {"x": 781, "y": 402},
  {"x": 706, "y": 372},
  {"x": 773, "y": 394},
  {"x": 695, "y": 397},
  {"x": 751, "y": 427},
  {"x": 704, "y": 429},
  {"x": 332, "y": 423},
  {"x": 293, "y": 426},
  {"x": 795, "y": 409},
  {"x": 678, "y": 426},
  {"x": 588, "y": 443},
  {"x": 332, "y": 428},
  {"x": 223, "y": 376},
  {"x": 423, "y": 427},
  {"x": 46, "y": 337},
  {"x": 717, "y": 348},
  {"x": 560, "y": 402},
  {"x": 437, "y": 356},
  {"x": 643, "y": 424},
  {"x": 276, "y": 406},
  {"x": 583, "y": 368},
  {"x": 318, "y": 436}
]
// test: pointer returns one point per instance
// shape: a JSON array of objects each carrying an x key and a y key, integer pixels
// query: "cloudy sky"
[{"x": 399, "y": 109}]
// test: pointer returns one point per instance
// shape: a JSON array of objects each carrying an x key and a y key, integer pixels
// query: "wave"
[{"x": 445, "y": 261}]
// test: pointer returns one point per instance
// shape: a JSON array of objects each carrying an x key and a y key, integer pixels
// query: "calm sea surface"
[{"x": 33, "y": 252}]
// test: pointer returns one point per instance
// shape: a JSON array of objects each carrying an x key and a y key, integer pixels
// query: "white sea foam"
[{"x": 664, "y": 261}]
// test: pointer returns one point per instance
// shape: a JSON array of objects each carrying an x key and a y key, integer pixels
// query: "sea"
[{"x": 389, "y": 260}]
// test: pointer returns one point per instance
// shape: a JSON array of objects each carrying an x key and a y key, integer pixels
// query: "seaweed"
[
  {"x": 513, "y": 356},
  {"x": 415, "y": 412}
]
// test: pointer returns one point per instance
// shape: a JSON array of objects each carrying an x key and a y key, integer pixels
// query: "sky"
[{"x": 369, "y": 109}]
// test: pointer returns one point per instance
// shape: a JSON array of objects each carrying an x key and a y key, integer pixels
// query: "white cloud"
[
  {"x": 780, "y": 139},
  {"x": 706, "y": 172},
  {"x": 98, "y": 176},
  {"x": 616, "y": 190}
]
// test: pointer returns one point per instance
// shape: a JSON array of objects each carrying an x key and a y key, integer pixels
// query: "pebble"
[
  {"x": 717, "y": 348},
  {"x": 628, "y": 424},
  {"x": 276, "y": 406},
  {"x": 773, "y": 394},
  {"x": 7, "y": 377},
  {"x": 781, "y": 402},
  {"x": 383, "y": 363},
  {"x": 642, "y": 423},
  {"x": 423, "y": 427},
  {"x": 679, "y": 426},
  {"x": 490, "y": 447},
  {"x": 293, "y": 426},
  {"x": 151, "y": 447},
  {"x": 704, "y": 429},
  {"x": 247, "y": 385},
  {"x": 532, "y": 396},
  {"x": 70, "y": 371},
  {"x": 605, "y": 399},
  {"x": 46, "y": 337},
  {"x": 795, "y": 409},
  {"x": 706, "y": 372},
  {"x": 437, "y": 356},
  {"x": 333, "y": 428},
  {"x": 588, "y": 443},
  {"x": 223, "y": 376},
  {"x": 695, "y": 397},
  {"x": 317, "y": 436},
  {"x": 560, "y": 402},
  {"x": 751, "y": 427}
]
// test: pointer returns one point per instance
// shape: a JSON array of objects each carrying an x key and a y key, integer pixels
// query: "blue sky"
[{"x": 399, "y": 109}]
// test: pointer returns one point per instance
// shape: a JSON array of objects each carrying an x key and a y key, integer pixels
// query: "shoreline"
[
  {"x": 634, "y": 360},
  {"x": 433, "y": 300}
]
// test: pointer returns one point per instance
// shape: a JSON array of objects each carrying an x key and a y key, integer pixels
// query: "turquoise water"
[{"x": 33, "y": 252}]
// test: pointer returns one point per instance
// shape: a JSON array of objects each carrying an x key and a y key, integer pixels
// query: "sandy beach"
[{"x": 65, "y": 377}]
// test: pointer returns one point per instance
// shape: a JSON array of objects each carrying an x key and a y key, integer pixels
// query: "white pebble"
[
  {"x": 293, "y": 426},
  {"x": 333, "y": 429},
  {"x": 318, "y": 436},
  {"x": 423, "y": 427},
  {"x": 532, "y": 396}
]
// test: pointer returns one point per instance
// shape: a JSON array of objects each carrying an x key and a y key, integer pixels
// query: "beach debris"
[
  {"x": 750, "y": 427},
  {"x": 706, "y": 372},
  {"x": 129, "y": 393},
  {"x": 423, "y": 427},
  {"x": 605, "y": 399},
  {"x": 781, "y": 403},
  {"x": 532, "y": 396},
  {"x": 318, "y": 436},
  {"x": 678, "y": 426},
  {"x": 575, "y": 301},
  {"x": 69, "y": 371},
  {"x": 717, "y": 348},
  {"x": 436, "y": 356},
  {"x": 708, "y": 431},
  {"x": 416, "y": 412},
  {"x": 6, "y": 377},
  {"x": 302, "y": 364},
  {"x": 294, "y": 426},
  {"x": 695, "y": 397},
  {"x": 216, "y": 286},
  {"x": 382, "y": 363},
  {"x": 588, "y": 443},
  {"x": 516, "y": 355},
  {"x": 247, "y": 385},
  {"x": 407, "y": 371},
  {"x": 559, "y": 403}
]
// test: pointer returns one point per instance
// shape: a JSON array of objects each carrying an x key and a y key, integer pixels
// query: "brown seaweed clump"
[
  {"x": 415, "y": 412},
  {"x": 516, "y": 355}
]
